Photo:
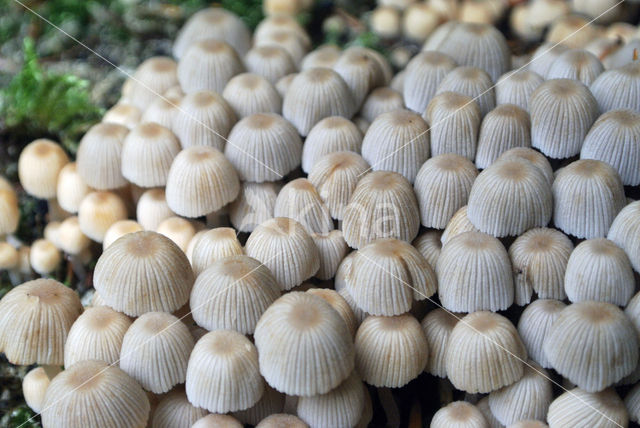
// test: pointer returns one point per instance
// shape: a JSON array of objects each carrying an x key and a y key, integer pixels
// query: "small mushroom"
[
  {"x": 330, "y": 135},
  {"x": 459, "y": 414},
  {"x": 578, "y": 408},
  {"x": 534, "y": 325},
  {"x": 39, "y": 164}
]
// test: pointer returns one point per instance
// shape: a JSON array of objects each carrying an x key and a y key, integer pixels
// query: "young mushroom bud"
[
  {"x": 625, "y": 232},
  {"x": 294, "y": 42},
  {"x": 299, "y": 200},
  {"x": 458, "y": 414},
  {"x": 419, "y": 21},
  {"x": 71, "y": 188},
  {"x": 9, "y": 211},
  {"x": 39, "y": 164},
  {"x": 472, "y": 82},
  {"x": 253, "y": 206},
  {"x": 516, "y": 87},
  {"x": 250, "y": 93},
  {"x": 503, "y": 128},
  {"x": 208, "y": 65},
  {"x": 279, "y": 420},
  {"x": 618, "y": 88},
  {"x": 385, "y": 22},
  {"x": 123, "y": 114},
  {"x": 71, "y": 238},
  {"x": 44, "y": 257},
  {"x": 361, "y": 72},
  {"x": 213, "y": 245},
  {"x": 152, "y": 209},
  {"x": 98, "y": 211},
  {"x": 576, "y": 64},
  {"x": 99, "y": 157},
  {"x": 175, "y": 411},
  {"x": 270, "y": 62},
  {"x": 330, "y": 135},
  {"x": 179, "y": 230},
  {"x": 423, "y": 76},
  {"x": 153, "y": 77},
  {"x": 578, "y": 408},
  {"x": 324, "y": 56},
  {"x": 163, "y": 111},
  {"x": 34, "y": 387},
  {"x": 437, "y": 326},
  {"x": 381, "y": 100},
  {"x": 332, "y": 249},
  {"x": 281, "y": 22}
]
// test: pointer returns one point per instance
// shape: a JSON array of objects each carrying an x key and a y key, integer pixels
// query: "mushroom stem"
[
  {"x": 445, "y": 391},
  {"x": 14, "y": 276},
  {"x": 77, "y": 266},
  {"x": 390, "y": 407}
]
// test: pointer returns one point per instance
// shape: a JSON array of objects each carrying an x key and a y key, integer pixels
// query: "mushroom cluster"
[{"x": 286, "y": 236}]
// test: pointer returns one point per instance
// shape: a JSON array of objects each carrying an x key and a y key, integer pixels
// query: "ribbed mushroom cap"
[
  {"x": 510, "y": 197},
  {"x": 474, "y": 274},
  {"x": 387, "y": 275},
  {"x": 214, "y": 420},
  {"x": 151, "y": 79},
  {"x": 175, "y": 411},
  {"x": 618, "y": 88},
  {"x": 97, "y": 334},
  {"x": 454, "y": 123},
  {"x": 613, "y": 139},
  {"x": 229, "y": 360},
  {"x": 34, "y": 386},
  {"x": 208, "y": 65},
  {"x": 296, "y": 43},
  {"x": 71, "y": 238},
  {"x": 179, "y": 230},
  {"x": 271, "y": 62},
  {"x": 281, "y": 21},
  {"x": 74, "y": 395},
  {"x": 631, "y": 401},
  {"x": 249, "y": 93},
  {"x": 203, "y": 119},
  {"x": 383, "y": 205},
  {"x": 483, "y": 406},
  {"x": 342, "y": 406},
  {"x": 36, "y": 317},
  {"x": 281, "y": 420},
  {"x": 270, "y": 403},
  {"x": 533, "y": 156},
  {"x": 475, "y": 45},
  {"x": 9, "y": 211},
  {"x": 360, "y": 71},
  {"x": 304, "y": 345},
  {"x": 429, "y": 245},
  {"x": 147, "y": 154},
  {"x": 214, "y": 245},
  {"x": 381, "y": 100},
  {"x": 581, "y": 409},
  {"x": 143, "y": 272},
  {"x": 71, "y": 188},
  {"x": 503, "y": 128},
  {"x": 98, "y": 211},
  {"x": 338, "y": 303},
  {"x": 124, "y": 114},
  {"x": 39, "y": 164},
  {"x": 99, "y": 156},
  {"x": 564, "y": 98},
  {"x": 472, "y": 82},
  {"x": 572, "y": 30},
  {"x": 315, "y": 94},
  {"x": 581, "y": 341},
  {"x": 599, "y": 270},
  {"x": 528, "y": 424},
  {"x": 300, "y": 201},
  {"x": 163, "y": 111},
  {"x": 458, "y": 224},
  {"x": 459, "y": 414},
  {"x": 284, "y": 83},
  {"x": 437, "y": 326},
  {"x": 544, "y": 56},
  {"x": 539, "y": 259},
  {"x": 601, "y": 198},
  {"x": 390, "y": 351},
  {"x": 330, "y": 135},
  {"x": 332, "y": 249},
  {"x": 484, "y": 353},
  {"x": 253, "y": 206},
  {"x": 201, "y": 180},
  {"x": 232, "y": 294},
  {"x": 324, "y": 56},
  {"x": 155, "y": 351},
  {"x": 576, "y": 64},
  {"x": 152, "y": 209},
  {"x": 625, "y": 232},
  {"x": 442, "y": 186},
  {"x": 284, "y": 246},
  {"x": 534, "y": 325},
  {"x": 516, "y": 87},
  {"x": 44, "y": 257},
  {"x": 424, "y": 73},
  {"x": 528, "y": 398}
]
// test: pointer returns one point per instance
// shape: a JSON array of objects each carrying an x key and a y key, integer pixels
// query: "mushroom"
[
  {"x": 253, "y": 206},
  {"x": 71, "y": 188},
  {"x": 360, "y": 71},
  {"x": 44, "y": 256},
  {"x": 152, "y": 209},
  {"x": 516, "y": 87},
  {"x": 98, "y": 211},
  {"x": 118, "y": 229},
  {"x": 271, "y": 402},
  {"x": 576, "y": 64},
  {"x": 458, "y": 224},
  {"x": 544, "y": 56},
  {"x": 330, "y": 135},
  {"x": 39, "y": 164},
  {"x": 381, "y": 100},
  {"x": 249, "y": 93},
  {"x": 99, "y": 156},
  {"x": 503, "y": 128},
  {"x": 280, "y": 419},
  {"x": 270, "y": 62},
  {"x": 152, "y": 77},
  {"x": 624, "y": 232},
  {"x": 124, "y": 114},
  {"x": 34, "y": 387},
  {"x": 578, "y": 408},
  {"x": 163, "y": 111},
  {"x": 385, "y": 22},
  {"x": 429, "y": 245},
  {"x": 437, "y": 326},
  {"x": 324, "y": 56},
  {"x": 299, "y": 200},
  {"x": 534, "y": 325},
  {"x": 332, "y": 249},
  {"x": 472, "y": 82},
  {"x": 178, "y": 229},
  {"x": 618, "y": 88},
  {"x": 459, "y": 414},
  {"x": 213, "y": 245},
  {"x": 175, "y": 411},
  {"x": 341, "y": 306}
]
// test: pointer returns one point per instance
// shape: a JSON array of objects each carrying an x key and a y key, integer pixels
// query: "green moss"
[
  {"x": 250, "y": 11},
  {"x": 20, "y": 417}
]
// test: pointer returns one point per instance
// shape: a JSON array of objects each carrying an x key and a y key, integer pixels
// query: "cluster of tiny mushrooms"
[{"x": 307, "y": 222}]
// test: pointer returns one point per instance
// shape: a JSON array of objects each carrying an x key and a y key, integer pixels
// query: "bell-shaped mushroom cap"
[
  {"x": 599, "y": 270},
  {"x": 516, "y": 87},
  {"x": 442, "y": 187},
  {"x": 341, "y": 306},
  {"x": 437, "y": 326},
  {"x": 270, "y": 403},
  {"x": 564, "y": 98},
  {"x": 74, "y": 395},
  {"x": 280, "y": 420},
  {"x": 208, "y": 65},
  {"x": 253, "y": 206},
  {"x": 36, "y": 317},
  {"x": 331, "y": 134},
  {"x": 97, "y": 334},
  {"x": 387, "y": 275},
  {"x": 44, "y": 257},
  {"x": 332, "y": 249},
  {"x": 474, "y": 274},
  {"x": 98, "y": 211},
  {"x": 381, "y": 100},
  {"x": 572, "y": 30},
  {"x": 390, "y": 351},
  {"x": 454, "y": 122},
  {"x": 324, "y": 56},
  {"x": 271, "y": 62},
  {"x": 340, "y": 407},
  {"x": 484, "y": 353},
  {"x": 315, "y": 94},
  {"x": 296, "y": 43},
  {"x": 147, "y": 154},
  {"x": 163, "y": 111},
  {"x": 601, "y": 198},
  {"x": 304, "y": 345},
  {"x": 534, "y": 325},
  {"x": 201, "y": 180},
  {"x": 483, "y": 406},
  {"x": 539, "y": 259},
  {"x": 99, "y": 156},
  {"x": 71, "y": 238},
  {"x": 625, "y": 232},
  {"x": 282, "y": 21},
  {"x": 71, "y": 188},
  {"x": 175, "y": 411},
  {"x": 229, "y": 360},
  {"x": 152, "y": 209},
  {"x": 429, "y": 245},
  {"x": 576, "y": 64},
  {"x": 34, "y": 387},
  {"x": 143, "y": 272},
  {"x": 528, "y": 398},
  {"x": 264, "y": 147},
  {"x": 203, "y": 119},
  {"x": 472, "y": 82},
  {"x": 475, "y": 45},
  {"x": 459, "y": 414},
  {"x": 397, "y": 141},
  {"x": 613, "y": 139},
  {"x": 335, "y": 177},
  {"x": 383, "y": 205},
  {"x": 533, "y": 156},
  {"x": 39, "y": 164},
  {"x": 510, "y": 197},
  {"x": 424, "y": 73},
  {"x": 213, "y": 245},
  {"x": 544, "y": 56},
  {"x": 633, "y": 311},
  {"x": 631, "y": 401},
  {"x": 124, "y": 114},
  {"x": 458, "y": 224},
  {"x": 151, "y": 79},
  {"x": 360, "y": 71},
  {"x": 179, "y": 230},
  {"x": 300, "y": 201},
  {"x": 9, "y": 211},
  {"x": 216, "y": 420},
  {"x": 249, "y": 93},
  {"x": 284, "y": 83},
  {"x": 578, "y": 408},
  {"x": 155, "y": 351},
  {"x": 528, "y": 423},
  {"x": 580, "y": 344},
  {"x": 118, "y": 229},
  {"x": 618, "y": 88},
  {"x": 284, "y": 246},
  {"x": 232, "y": 294},
  {"x": 503, "y": 128}
]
